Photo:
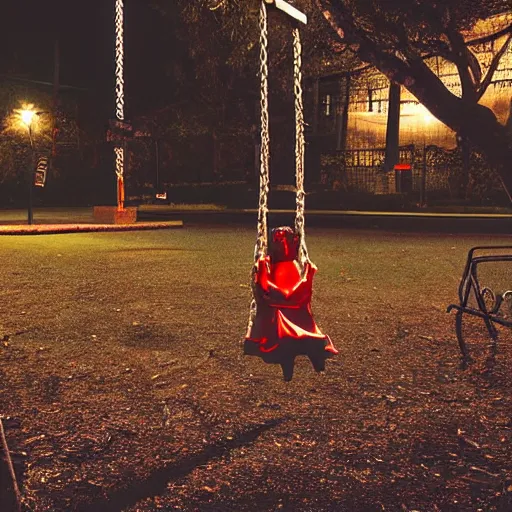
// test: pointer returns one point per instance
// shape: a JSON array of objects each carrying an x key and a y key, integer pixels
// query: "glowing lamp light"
[
  {"x": 24, "y": 116},
  {"x": 27, "y": 116}
]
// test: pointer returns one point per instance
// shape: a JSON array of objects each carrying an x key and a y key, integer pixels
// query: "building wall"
[{"x": 368, "y": 104}]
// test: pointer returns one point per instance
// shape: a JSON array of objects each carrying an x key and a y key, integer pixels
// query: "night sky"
[{"x": 85, "y": 29}]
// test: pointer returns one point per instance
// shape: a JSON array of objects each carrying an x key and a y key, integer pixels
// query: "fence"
[{"x": 433, "y": 171}]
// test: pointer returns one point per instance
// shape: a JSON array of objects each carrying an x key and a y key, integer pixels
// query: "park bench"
[{"x": 485, "y": 290}]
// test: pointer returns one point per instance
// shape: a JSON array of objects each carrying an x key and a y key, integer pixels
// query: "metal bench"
[{"x": 485, "y": 290}]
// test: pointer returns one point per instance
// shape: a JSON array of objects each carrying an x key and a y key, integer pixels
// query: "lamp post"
[{"x": 27, "y": 117}]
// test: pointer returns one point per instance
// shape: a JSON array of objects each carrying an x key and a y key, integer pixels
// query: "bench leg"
[
  {"x": 493, "y": 332},
  {"x": 460, "y": 338}
]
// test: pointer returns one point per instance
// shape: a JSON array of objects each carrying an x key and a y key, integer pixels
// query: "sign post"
[{"x": 41, "y": 171}]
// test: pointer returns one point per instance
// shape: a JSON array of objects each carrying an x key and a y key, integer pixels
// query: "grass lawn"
[{"x": 123, "y": 387}]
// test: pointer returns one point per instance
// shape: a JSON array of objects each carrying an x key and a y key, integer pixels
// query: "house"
[{"x": 350, "y": 115}]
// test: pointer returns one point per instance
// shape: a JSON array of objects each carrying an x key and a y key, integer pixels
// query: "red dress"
[{"x": 284, "y": 326}]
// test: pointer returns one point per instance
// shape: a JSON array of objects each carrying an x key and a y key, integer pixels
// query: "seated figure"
[{"x": 284, "y": 326}]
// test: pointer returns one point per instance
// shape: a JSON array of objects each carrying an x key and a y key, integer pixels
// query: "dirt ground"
[{"x": 123, "y": 387}]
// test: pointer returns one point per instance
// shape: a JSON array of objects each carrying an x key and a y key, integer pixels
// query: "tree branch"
[
  {"x": 490, "y": 37},
  {"x": 413, "y": 73},
  {"x": 493, "y": 67},
  {"x": 461, "y": 60}
]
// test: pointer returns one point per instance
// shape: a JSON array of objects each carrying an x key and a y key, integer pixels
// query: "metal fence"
[{"x": 432, "y": 170}]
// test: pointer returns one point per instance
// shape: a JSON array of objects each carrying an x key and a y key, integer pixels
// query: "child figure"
[{"x": 284, "y": 326}]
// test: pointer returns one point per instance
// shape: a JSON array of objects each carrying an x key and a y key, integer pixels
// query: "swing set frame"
[{"x": 289, "y": 9}]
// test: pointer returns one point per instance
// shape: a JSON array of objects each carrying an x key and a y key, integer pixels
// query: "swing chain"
[
  {"x": 299, "y": 148},
  {"x": 260, "y": 249},
  {"x": 119, "y": 60},
  {"x": 119, "y": 152},
  {"x": 262, "y": 239}
]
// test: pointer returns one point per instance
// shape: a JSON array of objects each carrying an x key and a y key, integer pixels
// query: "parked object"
[{"x": 485, "y": 290}]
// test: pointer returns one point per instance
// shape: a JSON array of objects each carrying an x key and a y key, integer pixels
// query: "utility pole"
[{"x": 56, "y": 87}]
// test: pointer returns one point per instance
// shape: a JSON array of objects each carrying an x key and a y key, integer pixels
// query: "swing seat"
[{"x": 284, "y": 327}]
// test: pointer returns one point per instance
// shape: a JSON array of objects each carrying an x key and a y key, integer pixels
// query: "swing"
[{"x": 281, "y": 324}]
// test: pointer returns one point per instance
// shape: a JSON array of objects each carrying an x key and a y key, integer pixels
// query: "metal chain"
[
  {"x": 299, "y": 148},
  {"x": 260, "y": 249},
  {"x": 119, "y": 60},
  {"x": 119, "y": 152},
  {"x": 262, "y": 237}
]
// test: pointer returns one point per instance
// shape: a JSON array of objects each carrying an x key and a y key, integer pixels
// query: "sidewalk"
[
  {"x": 485, "y": 223},
  {"x": 68, "y": 220}
]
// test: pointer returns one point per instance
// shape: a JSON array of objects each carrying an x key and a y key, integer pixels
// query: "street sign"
[
  {"x": 115, "y": 124},
  {"x": 41, "y": 171},
  {"x": 119, "y": 131}
]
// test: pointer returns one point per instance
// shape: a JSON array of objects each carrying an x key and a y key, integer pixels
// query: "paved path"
[
  {"x": 395, "y": 221},
  {"x": 68, "y": 220}
]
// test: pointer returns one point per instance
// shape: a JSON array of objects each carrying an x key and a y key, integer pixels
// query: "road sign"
[
  {"x": 41, "y": 171},
  {"x": 119, "y": 131},
  {"x": 115, "y": 124}
]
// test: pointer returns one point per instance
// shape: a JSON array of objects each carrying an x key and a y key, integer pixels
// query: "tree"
[
  {"x": 214, "y": 72},
  {"x": 398, "y": 38}
]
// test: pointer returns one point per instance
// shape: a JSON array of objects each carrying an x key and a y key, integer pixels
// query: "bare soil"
[{"x": 123, "y": 387}]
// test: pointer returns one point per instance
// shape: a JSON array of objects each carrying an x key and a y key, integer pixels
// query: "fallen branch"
[{"x": 10, "y": 465}]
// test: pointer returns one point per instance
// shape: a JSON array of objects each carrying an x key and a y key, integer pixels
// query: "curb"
[
  {"x": 474, "y": 223},
  {"x": 56, "y": 229}
]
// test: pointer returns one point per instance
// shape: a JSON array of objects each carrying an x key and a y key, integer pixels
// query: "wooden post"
[
  {"x": 466, "y": 162},
  {"x": 423, "y": 183},
  {"x": 341, "y": 142},
  {"x": 287, "y": 8},
  {"x": 393, "y": 128}
]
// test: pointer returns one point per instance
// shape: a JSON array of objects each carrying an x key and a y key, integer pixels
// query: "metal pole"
[
  {"x": 30, "y": 218},
  {"x": 157, "y": 157}
]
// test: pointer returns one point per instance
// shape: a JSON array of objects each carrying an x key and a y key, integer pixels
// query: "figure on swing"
[
  {"x": 284, "y": 327},
  {"x": 281, "y": 325}
]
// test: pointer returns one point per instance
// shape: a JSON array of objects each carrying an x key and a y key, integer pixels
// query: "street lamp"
[{"x": 27, "y": 118}]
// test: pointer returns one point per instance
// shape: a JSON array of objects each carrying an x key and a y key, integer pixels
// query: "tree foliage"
[{"x": 215, "y": 70}]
